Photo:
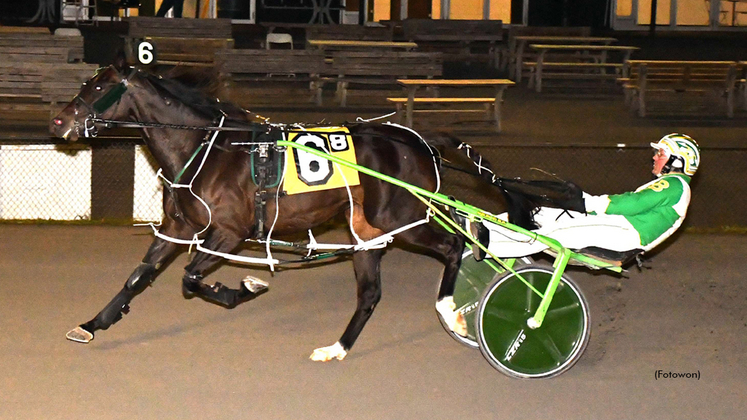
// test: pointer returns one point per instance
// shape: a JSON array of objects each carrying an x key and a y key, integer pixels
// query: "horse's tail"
[
  {"x": 443, "y": 141},
  {"x": 520, "y": 209},
  {"x": 523, "y": 198}
]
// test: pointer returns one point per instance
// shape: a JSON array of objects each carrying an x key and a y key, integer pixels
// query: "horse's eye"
[{"x": 98, "y": 88}]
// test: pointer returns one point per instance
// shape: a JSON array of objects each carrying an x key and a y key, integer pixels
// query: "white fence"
[
  {"x": 53, "y": 182},
  {"x": 148, "y": 191}
]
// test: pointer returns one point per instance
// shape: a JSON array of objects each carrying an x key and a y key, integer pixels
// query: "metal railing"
[{"x": 114, "y": 181}]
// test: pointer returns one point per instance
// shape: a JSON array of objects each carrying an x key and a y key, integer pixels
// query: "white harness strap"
[
  {"x": 199, "y": 169},
  {"x": 480, "y": 168},
  {"x": 250, "y": 260},
  {"x": 375, "y": 243},
  {"x": 433, "y": 155},
  {"x": 175, "y": 240},
  {"x": 385, "y": 239},
  {"x": 195, "y": 239},
  {"x": 381, "y": 117}
]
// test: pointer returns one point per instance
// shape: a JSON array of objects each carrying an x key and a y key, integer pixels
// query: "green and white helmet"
[{"x": 683, "y": 152}]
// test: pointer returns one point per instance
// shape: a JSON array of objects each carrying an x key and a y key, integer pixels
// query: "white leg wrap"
[
  {"x": 79, "y": 335},
  {"x": 447, "y": 309},
  {"x": 254, "y": 284},
  {"x": 325, "y": 354}
]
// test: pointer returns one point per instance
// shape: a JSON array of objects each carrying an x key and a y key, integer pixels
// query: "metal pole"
[{"x": 652, "y": 24}]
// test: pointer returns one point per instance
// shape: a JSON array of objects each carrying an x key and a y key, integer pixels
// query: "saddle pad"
[{"x": 307, "y": 173}]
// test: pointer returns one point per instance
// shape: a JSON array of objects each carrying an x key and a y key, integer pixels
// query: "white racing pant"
[{"x": 572, "y": 229}]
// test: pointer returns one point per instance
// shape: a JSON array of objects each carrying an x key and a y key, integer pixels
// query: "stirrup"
[
  {"x": 460, "y": 220},
  {"x": 617, "y": 258},
  {"x": 476, "y": 229},
  {"x": 482, "y": 234}
]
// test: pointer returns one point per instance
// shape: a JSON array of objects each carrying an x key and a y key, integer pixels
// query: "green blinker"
[{"x": 109, "y": 98}]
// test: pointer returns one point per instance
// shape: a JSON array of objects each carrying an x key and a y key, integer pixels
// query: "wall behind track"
[
  {"x": 115, "y": 180},
  {"x": 719, "y": 188},
  {"x": 108, "y": 180}
]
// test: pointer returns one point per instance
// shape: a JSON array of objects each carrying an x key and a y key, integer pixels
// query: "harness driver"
[{"x": 614, "y": 227}]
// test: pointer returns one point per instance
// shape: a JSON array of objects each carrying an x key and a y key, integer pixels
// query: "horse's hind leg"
[
  {"x": 192, "y": 284},
  {"x": 368, "y": 277},
  {"x": 448, "y": 248},
  {"x": 143, "y": 276}
]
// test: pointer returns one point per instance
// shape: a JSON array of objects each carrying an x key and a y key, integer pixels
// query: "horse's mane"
[{"x": 195, "y": 97}]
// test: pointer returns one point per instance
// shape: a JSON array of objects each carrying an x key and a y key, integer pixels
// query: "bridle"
[{"x": 101, "y": 105}]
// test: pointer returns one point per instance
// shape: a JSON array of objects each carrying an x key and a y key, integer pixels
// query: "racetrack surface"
[{"x": 172, "y": 358}]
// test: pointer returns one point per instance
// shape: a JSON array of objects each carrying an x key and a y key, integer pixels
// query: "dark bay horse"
[{"x": 225, "y": 186}]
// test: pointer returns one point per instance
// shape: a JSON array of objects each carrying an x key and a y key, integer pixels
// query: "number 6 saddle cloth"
[{"x": 306, "y": 172}]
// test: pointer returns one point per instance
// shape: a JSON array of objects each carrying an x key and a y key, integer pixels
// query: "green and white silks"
[
  {"x": 641, "y": 219},
  {"x": 655, "y": 210}
]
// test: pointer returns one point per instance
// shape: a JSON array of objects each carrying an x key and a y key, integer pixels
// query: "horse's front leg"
[
  {"x": 448, "y": 248},
  {"x": 367, "y": 266},
  {"x": 143, "y": 276},
  {"x": 192, "y": 284}
]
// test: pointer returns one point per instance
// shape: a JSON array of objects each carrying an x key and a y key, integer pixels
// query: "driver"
[{"x": 630, "y": 222}]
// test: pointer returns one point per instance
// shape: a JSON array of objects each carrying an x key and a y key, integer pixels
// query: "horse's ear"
[{"x": 120, "y": 61}]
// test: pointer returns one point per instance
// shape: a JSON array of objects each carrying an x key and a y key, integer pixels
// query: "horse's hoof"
[
  {"x": 446, "y": 308},
  {"x": 188, "y": 294},
  {"x": 325, "y": 354},
  {"x": 79, "y": 335},
  {"x": 255, "y": 285}
]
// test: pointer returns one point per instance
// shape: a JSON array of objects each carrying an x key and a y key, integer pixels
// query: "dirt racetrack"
[{"x": 176, "y": 359}]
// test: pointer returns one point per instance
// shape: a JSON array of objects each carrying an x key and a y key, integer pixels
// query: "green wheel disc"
[
  {"x": 511, "y": 346},
  {"x": 472, "y": 280}
]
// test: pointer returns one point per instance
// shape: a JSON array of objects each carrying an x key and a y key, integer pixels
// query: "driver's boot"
[
  {"x": 482, "y": 234},
  {"x": 476, "y": 229}
]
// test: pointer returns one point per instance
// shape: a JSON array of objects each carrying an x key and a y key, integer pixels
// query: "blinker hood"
[{"x": 113, "y": 95}]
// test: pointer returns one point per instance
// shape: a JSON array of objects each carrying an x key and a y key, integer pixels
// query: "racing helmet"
[{"x": 683, "y": 152}]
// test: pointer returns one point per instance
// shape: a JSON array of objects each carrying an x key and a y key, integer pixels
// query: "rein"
[{"x": 129, "y": 124}]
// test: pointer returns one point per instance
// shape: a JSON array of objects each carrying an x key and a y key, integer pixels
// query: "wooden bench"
[
  {"x": 24, "y": 30},
  {"x": 526, "y": 54},
  {"x": 514, "y": 51},
  {"x": 22, "y": 47},
  {"x": 445, "y": 104},
  {"x": 18, "y": 85},
  {"x": 490, "y": 109},
  {"x": 579, "y": 66},
  {"x": 28, "y": 56},
  {"x": 353, "y": 70},
  {"x": 273, "y": 70},
  {"x": 349, "y": 32},
  {"x": 186, "y": 42},
  {"x": 569, "y": 70},
  {"x": 718, "y": 78},
  {"x": 457, "y": 39},
  {"x": 742, "y": 82},
  {"x": 41, "y": 86},
  {"x": 60, "y": 84},
  {"x": 354, "y": 45},
  {"x": 192, "y": 52},
  {"x": 142, "y": 26}
]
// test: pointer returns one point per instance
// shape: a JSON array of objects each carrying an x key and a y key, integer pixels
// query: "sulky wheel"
[
  {"x": 474, "y": 276},
  {"x": 511, "y": 346}
]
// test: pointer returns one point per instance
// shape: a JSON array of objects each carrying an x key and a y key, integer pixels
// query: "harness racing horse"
[{"x": 220, "y": 205}]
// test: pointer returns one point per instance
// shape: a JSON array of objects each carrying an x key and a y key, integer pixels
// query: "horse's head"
[{"x": 98, "y": 98}]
